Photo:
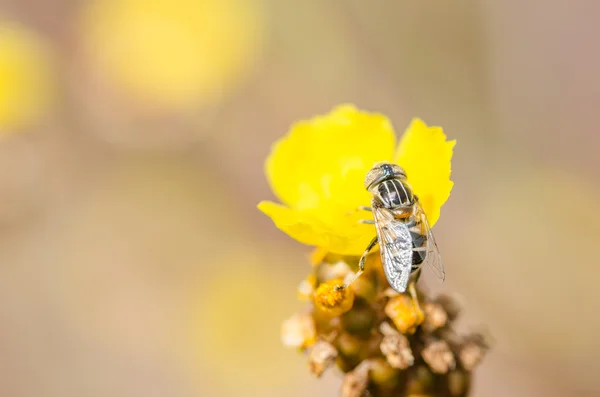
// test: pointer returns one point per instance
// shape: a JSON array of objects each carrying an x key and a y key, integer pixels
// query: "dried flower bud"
[
  {"x": 435, "y": 316},
  {"x": 451, "y": 306},
  {"x": 396, "y": 348},
  {"x": 405, "y": 313},
  {"x": 360, "y": 320},
  {"x": 420, "y": 381},
  {"x": 382, "y": 372},
  {"x": 306, "y": 288},
  {"x": 348, "y": 345},
  {"x": 322, "y": 356},
  {"x": 298, "y": 331},
  {"x": 355, "y": 382},
  {"x": 458, "y": 383},
  {"x": 330, "y": 271},
  {"x": 333, "y": 301},
  {"x": 438, "y": 355},
  {"x": 370, "y": 347},
  {"x": 472, "y": 352}
]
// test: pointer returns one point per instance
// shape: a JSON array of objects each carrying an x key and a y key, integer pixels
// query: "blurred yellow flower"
[
  {"x": 173, "y": 52},
  {"x": 24, "y": 77},
  {"x": 317, "y": 172},
  {"x": 234, "y": 325}
]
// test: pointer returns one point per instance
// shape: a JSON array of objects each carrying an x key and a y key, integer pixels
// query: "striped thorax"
[{"x": 387, "y": 183}]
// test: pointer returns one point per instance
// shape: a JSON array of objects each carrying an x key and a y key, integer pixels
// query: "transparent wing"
[
  {"x": 433, "y": 257},
  {"x": 395, "y": 244}
]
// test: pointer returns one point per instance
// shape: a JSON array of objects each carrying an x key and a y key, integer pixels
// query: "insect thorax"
[{"x": 394, "y": 194}]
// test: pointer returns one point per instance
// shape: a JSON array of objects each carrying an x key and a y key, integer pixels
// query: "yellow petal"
[
  {"x": 291, "y": 222},
  {"x": 322, "y": 151},
  {"x": 425, "y": 154},
  {"x": 308, "y": 229}
]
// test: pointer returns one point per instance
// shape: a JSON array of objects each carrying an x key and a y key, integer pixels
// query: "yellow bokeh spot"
[
  {"x": 235, "y": 320},
  {"x": 174, "y": 52},
  {"x": 317, "y": 171},
  {"x": 25, "y": 77}
]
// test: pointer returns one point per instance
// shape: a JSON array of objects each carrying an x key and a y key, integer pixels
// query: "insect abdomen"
[{"x": 419, "y": 242}]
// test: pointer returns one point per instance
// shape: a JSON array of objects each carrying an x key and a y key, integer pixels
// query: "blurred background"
[{"x": 133, "y": 261}]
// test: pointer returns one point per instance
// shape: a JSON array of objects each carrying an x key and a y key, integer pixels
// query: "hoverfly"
[{"x": 403, "y": 233}]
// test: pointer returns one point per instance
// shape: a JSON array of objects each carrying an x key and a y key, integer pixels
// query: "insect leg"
[
  {"x": 417, "y": 273},
  {"x": 366, "y": 222},
  {"x": 363, "y": 258},
  {"x": 361, "y": 264},
  {"x": 413, "y": 293}
]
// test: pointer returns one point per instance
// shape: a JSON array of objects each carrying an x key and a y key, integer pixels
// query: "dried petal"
[
  {"x": 306, "y": 288},
  {"x": 298, "y": 331},
  {"x": 405, "y": 313},
  {"x": 397, "y": 351},
  {"x": 355, "y": 382},
  {"x": 322, "y": 356},
  {"x": 396, "y": 348},
  {"x": 331, "y": 300},
  {"x": 435, "y": 316},
  {"x": 439, "y": 356}
]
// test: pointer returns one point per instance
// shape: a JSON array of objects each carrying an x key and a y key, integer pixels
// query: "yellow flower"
[
  {"x": 317, "y": 172},
  {"x": 174, "y": 52},
  {"x": 25, "y": 81}
]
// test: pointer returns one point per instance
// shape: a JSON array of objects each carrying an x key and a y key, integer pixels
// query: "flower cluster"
[{"x": 385, "y": 342}]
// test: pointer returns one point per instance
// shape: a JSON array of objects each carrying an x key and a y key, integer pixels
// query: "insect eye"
[{"x": 372, "y": 176}]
